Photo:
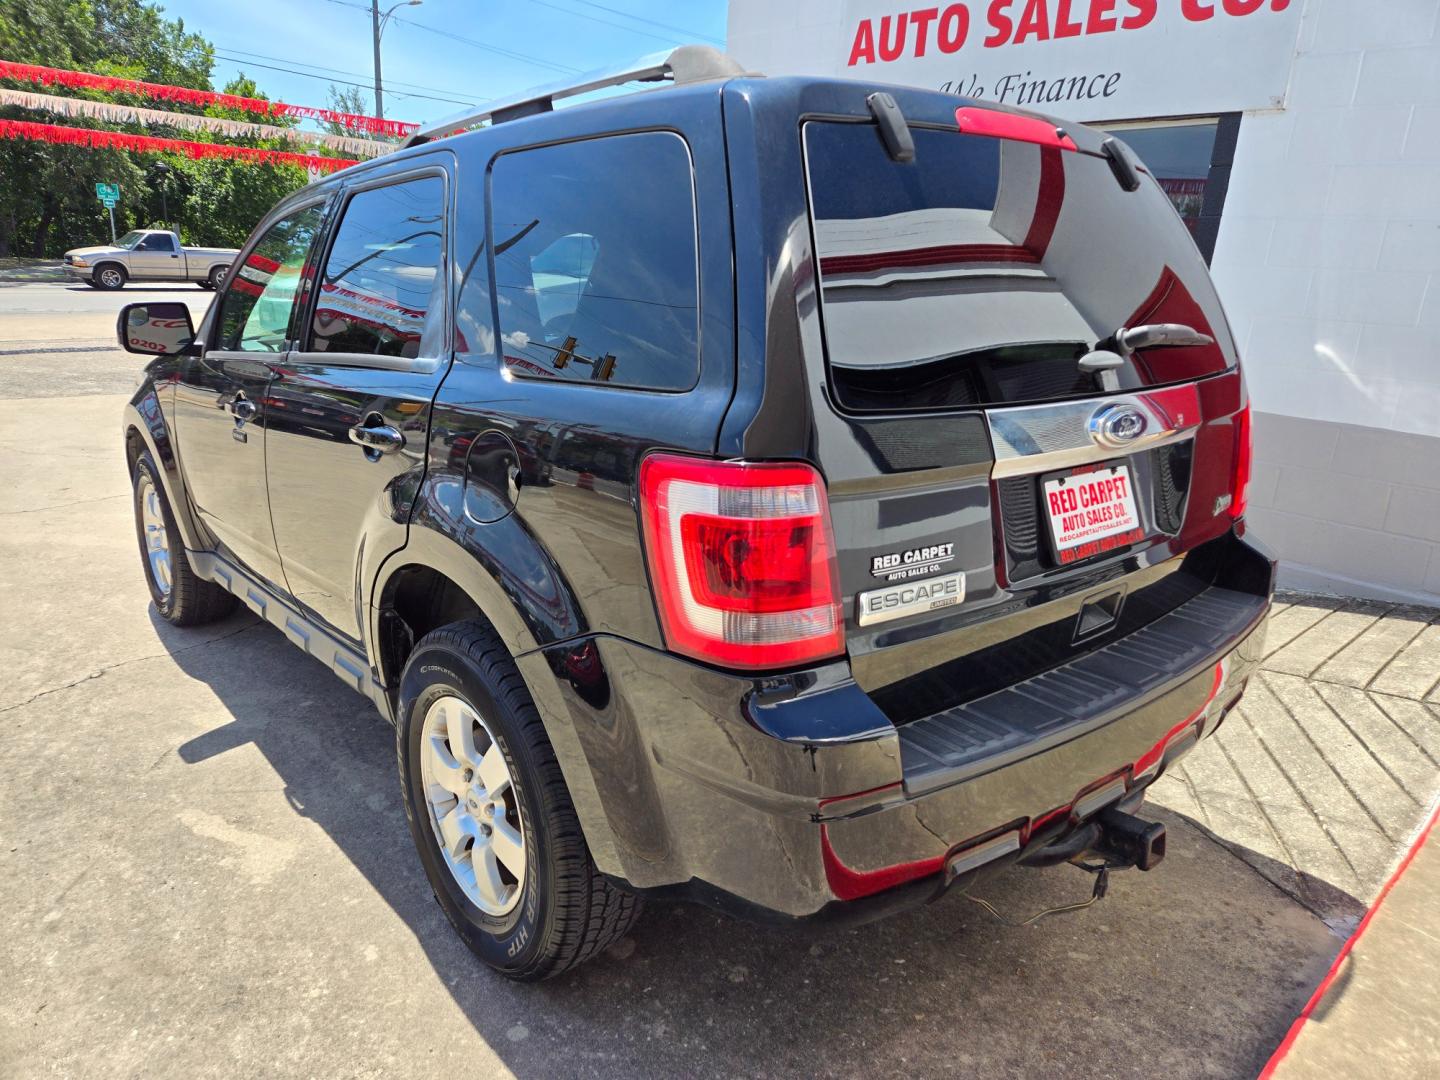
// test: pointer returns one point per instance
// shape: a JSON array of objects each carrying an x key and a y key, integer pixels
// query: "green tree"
[
  {"x": 47, "y": 192},
  {"x": 347, "y": 99}
]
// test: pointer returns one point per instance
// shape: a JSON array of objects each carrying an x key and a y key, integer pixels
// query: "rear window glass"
[
  {"x": 595, "y": 272},
  {"x": 982, "y": 271}
]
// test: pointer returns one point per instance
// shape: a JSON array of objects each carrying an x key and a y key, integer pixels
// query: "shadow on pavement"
[{"x": 1194, "y": 969}]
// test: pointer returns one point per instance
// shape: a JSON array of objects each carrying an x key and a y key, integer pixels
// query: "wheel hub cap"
[
  {"x": 157, "y": 543},
  {"x": 471, "y": 803}
]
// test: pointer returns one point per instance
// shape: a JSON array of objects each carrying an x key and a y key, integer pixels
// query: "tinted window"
[
  {"x": 382, "y": 276},
  {"x": 594, "y": 249},
  {"x": 157, "y": 242},
  {"x": 255, "y": 312},
  {"x": 984, "y": 270}
]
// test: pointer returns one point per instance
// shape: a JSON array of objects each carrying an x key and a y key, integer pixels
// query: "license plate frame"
[{"x": 1075, "y": 535}]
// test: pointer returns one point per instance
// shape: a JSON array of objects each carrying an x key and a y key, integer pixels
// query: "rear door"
[
  {"x": 348, "y": 410},
  {"x": 1014, "y": 480}
]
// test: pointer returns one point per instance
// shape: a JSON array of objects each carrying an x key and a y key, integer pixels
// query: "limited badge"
[
  {"x": 911, "y": 598},
  {"x": 914, "y": 563}
]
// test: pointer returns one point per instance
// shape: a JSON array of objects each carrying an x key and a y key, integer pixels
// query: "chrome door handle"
[
  {"x": 243, "y": 409},
  {"x": 379, "y": 438}
]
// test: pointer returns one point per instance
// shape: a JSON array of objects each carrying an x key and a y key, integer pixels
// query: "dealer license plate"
[{"x": 1091, "y": 512}]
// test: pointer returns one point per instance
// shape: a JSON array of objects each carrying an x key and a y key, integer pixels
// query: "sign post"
[{"x": 109, "y": 194}]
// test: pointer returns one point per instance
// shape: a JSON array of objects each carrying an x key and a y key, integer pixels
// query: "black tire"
[
  {"x": 567, "y": 911},
  {"x": 189, "y": 600},
  {"x": 109, "y": 276},
  {"x": 217, "y": 277},
  {"x": 205, "y": 285}
]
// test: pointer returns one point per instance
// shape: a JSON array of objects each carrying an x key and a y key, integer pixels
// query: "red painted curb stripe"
[{"x": 1330, "y": 976}]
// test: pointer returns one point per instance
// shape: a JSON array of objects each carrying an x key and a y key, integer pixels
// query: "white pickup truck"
[{"x": 149, "y": 255}]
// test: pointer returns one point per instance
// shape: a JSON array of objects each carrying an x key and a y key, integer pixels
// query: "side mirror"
[{"x": 155, "y": 329}]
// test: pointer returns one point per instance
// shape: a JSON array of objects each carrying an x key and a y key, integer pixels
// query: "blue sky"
[{"x": 465, "y": 50}]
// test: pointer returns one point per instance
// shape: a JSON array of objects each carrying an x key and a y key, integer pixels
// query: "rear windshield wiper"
[
  {"x": 1110, "y": 354},
  {"x": 1129, "y": 339}
]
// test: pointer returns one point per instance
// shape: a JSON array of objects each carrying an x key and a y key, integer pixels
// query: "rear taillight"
[
  {"x": 1240, "y": 486},
  {"x": 742, "y": 560}
]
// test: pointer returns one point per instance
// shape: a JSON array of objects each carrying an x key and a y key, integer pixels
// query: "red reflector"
[
  {"x": 1240, "y": 488},
  {"x": 1003, "y": 125},
  {"x": 742, "y": 560},
  {"x": 850, "y": 884}
]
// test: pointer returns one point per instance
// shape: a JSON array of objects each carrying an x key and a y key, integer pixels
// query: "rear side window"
[
  {"x": 382, "y": 277},
  {"x": 595, "y": 261},
  {"x": 981, "y": 272}
]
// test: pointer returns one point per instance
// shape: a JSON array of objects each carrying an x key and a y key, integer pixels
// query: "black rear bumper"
[
  {"x": 794, "y": 797},
  {"x": 1066, "y": 702}
]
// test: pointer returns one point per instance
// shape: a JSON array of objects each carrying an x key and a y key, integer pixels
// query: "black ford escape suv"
[{"x": 778, "y": 493}]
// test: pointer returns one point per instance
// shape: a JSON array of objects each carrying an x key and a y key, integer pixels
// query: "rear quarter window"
[{"x": 594, "y": 249}]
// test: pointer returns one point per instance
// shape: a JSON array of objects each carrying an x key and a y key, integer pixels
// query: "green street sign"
[
  {"x": 109, "y": 194},
  {"x": 109, "y": 203}
]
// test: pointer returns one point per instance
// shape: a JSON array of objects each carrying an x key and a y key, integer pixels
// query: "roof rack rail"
[{"x": 685, "y": 64}]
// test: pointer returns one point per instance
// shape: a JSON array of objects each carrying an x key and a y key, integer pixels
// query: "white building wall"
[{"x": 1328, "y": 261}]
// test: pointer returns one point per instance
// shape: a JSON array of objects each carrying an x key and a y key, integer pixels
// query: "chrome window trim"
[{"x": 418, "y": 365}]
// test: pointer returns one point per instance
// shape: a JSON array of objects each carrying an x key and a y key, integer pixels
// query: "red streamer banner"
[
  {"x": 81, "y": 80},
  {"x": 148, "y": 144}
]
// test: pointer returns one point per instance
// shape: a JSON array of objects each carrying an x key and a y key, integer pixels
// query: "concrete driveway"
[{"x": 205, "y": 868}]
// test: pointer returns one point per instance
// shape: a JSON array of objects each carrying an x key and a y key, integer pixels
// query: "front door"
[
  {"x": 348, "y": 412},
  {"x": 155, "y": 257},
  {"x": 220, "y": 402}
]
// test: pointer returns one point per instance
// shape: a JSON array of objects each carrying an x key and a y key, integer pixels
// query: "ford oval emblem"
[{"x": 1116, "y": 426}]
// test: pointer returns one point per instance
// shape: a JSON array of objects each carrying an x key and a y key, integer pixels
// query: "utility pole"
[
  {"x": 377, "y": 27},
  {"x": 375, "y": 35}
]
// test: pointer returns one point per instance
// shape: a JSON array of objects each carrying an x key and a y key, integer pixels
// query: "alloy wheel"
[
  {"x": 472, "y": 806},
  {"x": 156, "y": 538},
  {"x": 111, "y": 278}
]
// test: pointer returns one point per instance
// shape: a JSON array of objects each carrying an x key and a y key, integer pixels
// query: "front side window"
[
  {"x": 157, "y": 242},
  {"x": 382, "y": 277},
  {"x": 255, "y": 312},
  {"x": 595, "y": 261}
]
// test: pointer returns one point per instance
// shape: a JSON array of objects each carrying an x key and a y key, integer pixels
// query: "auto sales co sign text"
[{"x": 1080, "y": 59}]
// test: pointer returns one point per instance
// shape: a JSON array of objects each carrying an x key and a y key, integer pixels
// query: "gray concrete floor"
[
  {"x": 205, "y": 870},
  {"x": 1332, "y": 761},
  {"x": 1376, "y": 1019}
]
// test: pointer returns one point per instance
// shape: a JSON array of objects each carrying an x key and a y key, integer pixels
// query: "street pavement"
[
  {"x": 205, "y": 869},
  {"x": 58, "y": 339}
]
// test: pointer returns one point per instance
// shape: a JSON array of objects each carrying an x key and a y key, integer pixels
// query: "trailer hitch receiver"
[{"x": 1129, "y": 840}]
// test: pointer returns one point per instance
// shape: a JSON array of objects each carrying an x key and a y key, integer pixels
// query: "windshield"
[
  {"x": 981, "y": 272},
  {"x": 130, "y": 239}
]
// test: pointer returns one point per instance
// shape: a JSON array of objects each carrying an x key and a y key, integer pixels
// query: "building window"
[{"x": 1191, "y": 159}]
